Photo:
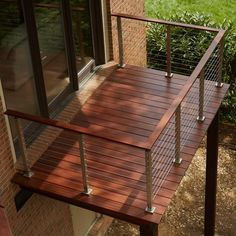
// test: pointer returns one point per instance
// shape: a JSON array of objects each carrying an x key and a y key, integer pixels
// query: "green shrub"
[{"x": 188, "y": 46}]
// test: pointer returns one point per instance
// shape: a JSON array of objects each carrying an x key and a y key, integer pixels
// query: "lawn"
[
  {"x": 212, "y": 13},
  {"x": 217, "y": 9}
]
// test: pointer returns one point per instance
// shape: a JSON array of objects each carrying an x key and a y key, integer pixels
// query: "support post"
[
  {"x": 27, "y": 172},
  {"x": 177, "y": 159},
  {"x": 220, "y": 55},
  {"x": 211, "y": 177},
  {"x": 149, "y": 230},
  {"x": 148, "y": 166},
  {"x": 120, "y": 43},
  {"x": 87, "y": 189},
  {"x": 168, "y": 53},
  {"x": 201, "y": 117}
]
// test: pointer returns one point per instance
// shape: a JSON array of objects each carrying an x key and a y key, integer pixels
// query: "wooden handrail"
[
  {"x": 73, "y": 128},
  {"x": 184, "y": 91},
  {"x": 164, "y": 22}
]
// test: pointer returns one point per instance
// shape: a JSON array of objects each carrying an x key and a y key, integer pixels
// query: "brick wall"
[
  {"x": 40, "y": 215},
  {"x": 134, "y": 35}
]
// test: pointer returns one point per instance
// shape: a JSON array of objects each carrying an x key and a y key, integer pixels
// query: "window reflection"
[{"x": 15, "y": 64}]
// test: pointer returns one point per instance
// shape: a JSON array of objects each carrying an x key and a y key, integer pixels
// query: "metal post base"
[
  {"x": 28, "y": 174},
  {"x": 87, "y": 192},
  {"x": 219, "y": 85},
  {"x": 201, "y": 119},
  {"x": 177, "y": 161},
  {"x": 150, "y": 210},
  {"x": 169, "y": 76},
  {"x": 121, "y": 66}
]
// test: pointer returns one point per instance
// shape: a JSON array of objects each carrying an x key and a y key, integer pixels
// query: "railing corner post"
[
  {"x": 148, "y": 171},
  {"x": 220, "y": 55},
  {"x": 169, "y": 75}
]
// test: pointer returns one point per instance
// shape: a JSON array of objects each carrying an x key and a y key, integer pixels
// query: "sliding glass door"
[
  {"x": 46, "y": 49},
  {"x": 49, "y": 23}
]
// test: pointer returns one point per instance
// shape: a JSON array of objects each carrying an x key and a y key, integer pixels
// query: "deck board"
[{"x": 129, "y": 104}]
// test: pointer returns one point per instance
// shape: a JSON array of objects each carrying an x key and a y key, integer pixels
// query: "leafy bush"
[
  {"x": 228, "y": 108},
  {"x": 188, "y": 46}
]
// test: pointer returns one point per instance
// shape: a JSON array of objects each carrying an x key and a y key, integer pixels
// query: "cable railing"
[
  {"x": 170, "y": 136},
  {"x": 80, "y": 131},
  {"x": 170, "y": 47},
  {"x": 172, "y": 133}
]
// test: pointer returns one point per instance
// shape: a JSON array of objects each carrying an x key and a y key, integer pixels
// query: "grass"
[
  {"x": 213, "y": 13},
  {"x": 219, "y": 10}
]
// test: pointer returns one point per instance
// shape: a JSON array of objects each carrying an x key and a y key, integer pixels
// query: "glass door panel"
[
  {"x": 82, "y": 33},
  {"x": 15, "y": 64},
  {"x": 52, "y": 47}
]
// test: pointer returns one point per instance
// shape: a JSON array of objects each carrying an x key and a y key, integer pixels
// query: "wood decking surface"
[{"x": 128, "y": 106}]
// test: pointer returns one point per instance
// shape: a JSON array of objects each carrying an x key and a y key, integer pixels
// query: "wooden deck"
[{"x": 126, "y": 107}]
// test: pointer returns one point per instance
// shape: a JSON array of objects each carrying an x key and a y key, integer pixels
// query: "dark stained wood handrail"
[
  {"x": 160, "y": 126},
  {"x": 183, "y": 93},
  {"x": 73, "y": 128},
  {"x": 165, "y": 22},
  {"x": 168, "y": 114}
]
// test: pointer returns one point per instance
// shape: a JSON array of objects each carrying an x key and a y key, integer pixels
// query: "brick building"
[{"x": 41, "y": 215}]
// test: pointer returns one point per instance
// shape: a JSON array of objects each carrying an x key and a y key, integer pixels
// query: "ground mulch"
[{"x": 185, "y": 215}]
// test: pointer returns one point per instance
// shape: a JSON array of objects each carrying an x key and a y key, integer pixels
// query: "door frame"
[{"x": 33, "y": 41}]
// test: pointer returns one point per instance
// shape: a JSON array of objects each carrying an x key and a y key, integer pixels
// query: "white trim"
[
  {"x": 7, "y": 124},
  {"x": 105, "y": 31},
  {"x": 83, "y": 220}
]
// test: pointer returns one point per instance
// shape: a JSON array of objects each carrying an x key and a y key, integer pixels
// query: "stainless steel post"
[
  {"x": 148, "y": 166},
  {"x": 27, "y": 172},
  {"x": 120, "y": 43},
  {"x": 220, "y": 55},
  {"x": 87, "y": 189},
  {"x": 201, "y": 117},
  {"x": 168, "y": 53},
  {"x": 177, "y": 159}
]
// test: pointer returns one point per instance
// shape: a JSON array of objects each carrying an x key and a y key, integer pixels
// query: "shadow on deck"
[{"x": 127, "y": 108}]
